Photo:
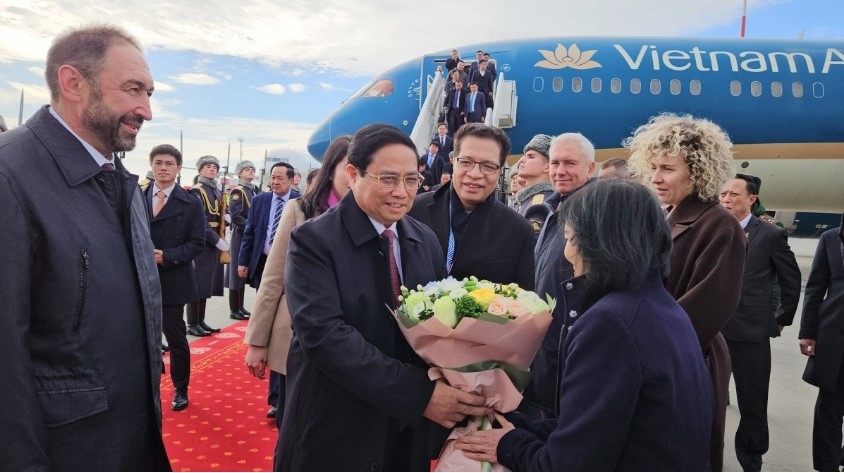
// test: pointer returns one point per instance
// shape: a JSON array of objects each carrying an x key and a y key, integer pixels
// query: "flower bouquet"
[{"x": 480, "y": 337}]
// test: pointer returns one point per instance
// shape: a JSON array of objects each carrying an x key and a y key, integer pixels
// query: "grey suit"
[{"x": 769, "y": 260}]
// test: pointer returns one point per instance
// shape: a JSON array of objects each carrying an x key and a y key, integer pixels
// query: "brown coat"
[
  {"x": 270, "y": 326},
  {"x": 707, "y": 267}
]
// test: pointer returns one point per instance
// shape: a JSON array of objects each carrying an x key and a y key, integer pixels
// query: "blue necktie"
[
  {"x": 457, "y": 99},
  {"x": 276, "y": 218},
  {"x": 449, "y": 255},
  {"x": 472, "y": 103}
]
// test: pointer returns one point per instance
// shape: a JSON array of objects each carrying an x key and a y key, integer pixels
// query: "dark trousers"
[
  {"x": 236, "y": 298},
  {"x": 259, "y": 271},
  {"x": 751, "y": 365},
  {"x": 278, "y": 391},
  {"x": 455, "y": 120},
  {"x": 196, "y": 312},
  {"x": 173, "y": 326},
  {"x": 826, "y": 431}
]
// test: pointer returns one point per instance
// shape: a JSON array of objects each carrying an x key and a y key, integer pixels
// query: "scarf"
[{"x": 528, "y": 192}]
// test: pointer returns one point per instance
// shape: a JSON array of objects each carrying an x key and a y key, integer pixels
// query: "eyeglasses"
[
  {"x": 412, "y": 182},
  {"x": 466, "y": 164}
]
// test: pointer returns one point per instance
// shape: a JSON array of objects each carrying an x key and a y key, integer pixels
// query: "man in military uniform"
[
  {"x": 239, "y": 203},
  {"x": 209, "y": 270},
  {"x": 533, "y": 168}
]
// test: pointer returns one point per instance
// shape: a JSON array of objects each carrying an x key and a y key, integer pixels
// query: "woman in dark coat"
[
  {"x": 634, "y": 393},
  {"x": 822, "y": 340},
  {"x": 687, "y": 161}
]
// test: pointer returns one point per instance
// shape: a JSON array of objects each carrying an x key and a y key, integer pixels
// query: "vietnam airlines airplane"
[{"x": 781, "y": 102}]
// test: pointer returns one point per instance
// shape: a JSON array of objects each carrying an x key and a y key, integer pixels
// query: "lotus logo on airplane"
[{"x": 572, "y": 57}]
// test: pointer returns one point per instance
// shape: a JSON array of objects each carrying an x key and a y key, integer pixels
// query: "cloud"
[
  {"x": 163, "y": 87},
  {"x": 357, "y": 40},
  {"x": 327, "y": 86},
  {"x": 274, "y": 89},
  {"x": 297, "y": 88},
  {"x": 38, "y": 71},
  {"x": 195, "y": 78}
]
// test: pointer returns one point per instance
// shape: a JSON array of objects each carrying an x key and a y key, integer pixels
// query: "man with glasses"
[
  {"x": 359, "y": 398},
  {"x": 479, "y": 235}
]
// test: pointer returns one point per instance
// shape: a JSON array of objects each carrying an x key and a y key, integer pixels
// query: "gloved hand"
[{"x": 222, "y": 245}]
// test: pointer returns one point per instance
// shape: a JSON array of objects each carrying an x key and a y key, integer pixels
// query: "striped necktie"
[
  {"x": 395, "y": 278},
  {"x": 276, "y": 217}
]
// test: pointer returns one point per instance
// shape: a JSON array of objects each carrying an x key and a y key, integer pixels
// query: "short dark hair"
[
  {"x": 84, "y": 49},
  {"x": 166, "y": 149},
  {"x": 369, "y": 139},
  {"x": 480, "y": 130},
  {"x": 442, "y": 124},
  {"x": 621, "y": 233},
  {"x": 752, "y": 183},
  {"x": 315, "y": 202},
  {"x": 290, "y": 171}
]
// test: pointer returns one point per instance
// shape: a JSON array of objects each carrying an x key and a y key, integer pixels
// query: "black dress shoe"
[
  {"x": 244, "y": 312},
  {"x": 197, "y": 331},
  {"x": 180, "y": 400},
  {"x": 236, "y": 315},
  {"x": 207, "y": 328},
  {"x": 272, "y": 412}
]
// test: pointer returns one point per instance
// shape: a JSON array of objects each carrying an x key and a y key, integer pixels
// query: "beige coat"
[{"x": 270, "y": 326}]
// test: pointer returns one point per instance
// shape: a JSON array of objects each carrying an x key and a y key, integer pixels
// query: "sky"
[{"x": 256, "y": 77}]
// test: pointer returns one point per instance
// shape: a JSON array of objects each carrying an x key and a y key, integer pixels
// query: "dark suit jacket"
[
  {"x": 769, "y": 259},
  {"x": 448, "y": 147},
  {"x": 823, "y": 312},
  {"x": 479, "y": 113},
  {"x": 352, "y": 379},
  {"x": 461, "y": 105},
  {"x": 484, "y": 81},
  {"x": 435, "y": 171},
  {"x": 255, "y": 234},
  {"x": 178, "y": 230},
  {"x": 497, "y": 243}
]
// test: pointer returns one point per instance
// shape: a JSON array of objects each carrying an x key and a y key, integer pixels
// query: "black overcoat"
[
  {"x": 81, "y": 317},
  {"x": 497, "y": 243},
  {"x": 823, "y": 312},
  {"x": 354, "y": 384},
  {"x": 178, "y": 230}
]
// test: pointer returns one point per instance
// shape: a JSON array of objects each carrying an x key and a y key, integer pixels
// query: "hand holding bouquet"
[{"x": 479, "y": 336}]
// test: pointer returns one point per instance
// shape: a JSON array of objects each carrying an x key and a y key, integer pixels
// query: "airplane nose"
[{"x": 319, "y": 141}]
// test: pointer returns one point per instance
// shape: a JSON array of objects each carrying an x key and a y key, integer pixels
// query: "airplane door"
[{"x": 430, "y": 64}]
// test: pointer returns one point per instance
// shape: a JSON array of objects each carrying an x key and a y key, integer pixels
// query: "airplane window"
[
  {"x": 694, "y": 87},
  {"x": 674, "y": 85},
  {"x": 776, "y": 89},
  {"x": 756, "y": 88},
  {"x": 635, "y": 86},
  {"x": 656, "y": 86},
  {"x": 362, "y": 90},
  {"x": 735, "y": 88},
  {"x": 817, "y": 90},
  {"x": 538, "y": 84},
  {"x": 615, "y": 85},
  {"x": 797, "y": 89},
  {"x": 576, "y": 85},
  {"x": 557, "y": 84},
  {"x": 596, "y": 85},
  {"x": 378, "y": 88}
]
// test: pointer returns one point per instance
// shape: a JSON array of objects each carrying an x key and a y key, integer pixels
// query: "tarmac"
[{"x": 791, "y": 400}]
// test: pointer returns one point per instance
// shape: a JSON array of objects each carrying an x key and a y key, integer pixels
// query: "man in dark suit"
[
  {"x": 455, "y": 107},
  {"x": 478, "y": 235},
  {"x": 822, "y": 340},
  {"x": 81, "y": 316},
  {"x": 262, "y": 222},
  {"x": 756, "y": 319},
  {"x": 177, "y": 228},
  {"x": 433, "y": 164},
  {"x": 451, "y": 62},
  {"x": 475, "y": 105},
  {"x": 485, "y": 80},
  {"x": 446, "y": 145},
  {"x": 359, "y": 398},
  {"x": 490, "y": 66},
  {"x": 261, "y": 225}
]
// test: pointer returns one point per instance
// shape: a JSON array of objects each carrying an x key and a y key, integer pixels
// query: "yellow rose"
[{"x": 484, "y": 296}]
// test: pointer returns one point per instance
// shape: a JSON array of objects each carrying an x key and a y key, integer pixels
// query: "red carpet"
[{"x": 225, "y": 427}]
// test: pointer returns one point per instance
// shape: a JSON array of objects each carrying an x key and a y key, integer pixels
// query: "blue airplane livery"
[{"x": 781, "y": 102}]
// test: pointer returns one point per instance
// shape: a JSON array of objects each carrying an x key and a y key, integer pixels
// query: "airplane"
[{"x": 780, "y": 101}]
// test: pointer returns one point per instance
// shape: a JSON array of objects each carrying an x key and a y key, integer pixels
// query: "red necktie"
[{"x": 395, "y": 279}]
